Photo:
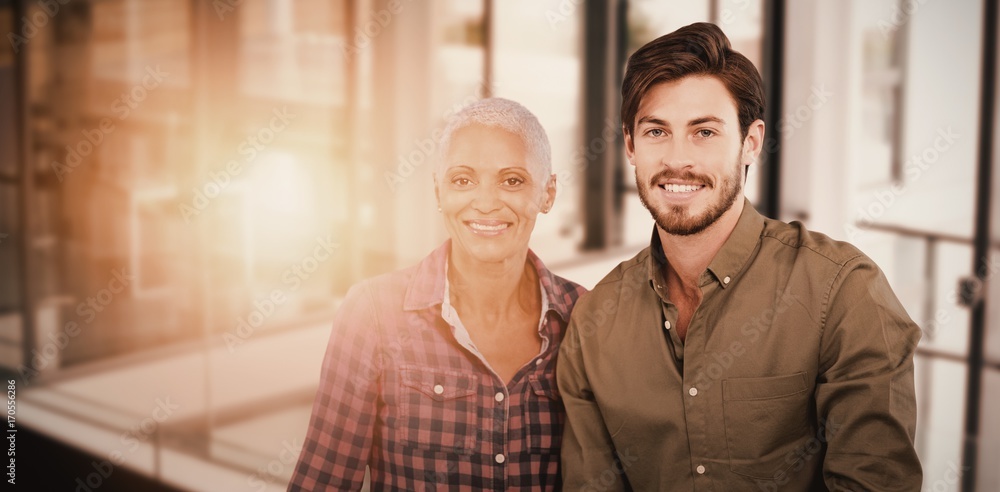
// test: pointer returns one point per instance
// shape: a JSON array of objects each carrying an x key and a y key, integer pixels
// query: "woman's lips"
[{"x": 487, "y": 227}]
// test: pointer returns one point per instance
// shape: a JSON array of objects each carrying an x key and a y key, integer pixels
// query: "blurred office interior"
[{"x": 188, "y": 187}]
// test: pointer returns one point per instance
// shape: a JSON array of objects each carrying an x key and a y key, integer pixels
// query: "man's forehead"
[{"x": 695, "y": 97}]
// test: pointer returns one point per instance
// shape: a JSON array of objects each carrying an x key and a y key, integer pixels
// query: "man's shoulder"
[
  {"x": 626, "y": 276},
  {"x": 819, "y": 246}
]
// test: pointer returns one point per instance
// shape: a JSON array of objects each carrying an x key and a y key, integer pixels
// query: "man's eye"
[
  {"x": 656, "y": 132},
  {"x": 705, "y": 133}
]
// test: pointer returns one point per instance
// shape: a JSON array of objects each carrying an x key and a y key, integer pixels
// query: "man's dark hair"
[{"x": 697, "y": 49}]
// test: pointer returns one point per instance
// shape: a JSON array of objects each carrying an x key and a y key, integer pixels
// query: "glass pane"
[
  {"x": 880, "y": 85},
  {"x": 549, "y": 48},
  {"x": 294, "y": 50},
  {"x": 10, "y": 287},
  {"x": 988, "y": 473},
  {"x": 940, "y": 388},
  {"x": 132, "y": 36},
  {"x": 650, "y": 19},
  {"x": 8, "y": 121},
  {"x": 938, "y": 132}
]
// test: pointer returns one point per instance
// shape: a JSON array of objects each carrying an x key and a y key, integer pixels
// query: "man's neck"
[{"x": 689, "y": 256}]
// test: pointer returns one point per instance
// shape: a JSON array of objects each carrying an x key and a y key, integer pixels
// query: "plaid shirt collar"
[{"x": 426, "y": 288}]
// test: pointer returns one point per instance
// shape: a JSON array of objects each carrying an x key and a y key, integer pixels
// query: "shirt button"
[
  {"x": 500, "y": 458},
  {"x": 538, "y": 362},
  {"x": 666, "y": 324},
  {"x": 700, "y": 470},
  {"x": 693, "y": 391},
  {"x": 726, "y": 280},
  {"x": 499, "y": 396},
  {"x": 438, "y": 389}
]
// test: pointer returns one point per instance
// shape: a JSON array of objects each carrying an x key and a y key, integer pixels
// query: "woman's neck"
[{"x": 495, "y": 290}]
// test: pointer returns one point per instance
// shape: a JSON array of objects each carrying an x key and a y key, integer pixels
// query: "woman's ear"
[{"x": 550, "y": 194}]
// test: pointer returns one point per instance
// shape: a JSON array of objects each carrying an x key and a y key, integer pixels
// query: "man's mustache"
[{"x": 686, "y": 175}]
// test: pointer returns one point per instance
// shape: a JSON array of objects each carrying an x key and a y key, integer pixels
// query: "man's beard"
[{"x": 675, "y": 219}]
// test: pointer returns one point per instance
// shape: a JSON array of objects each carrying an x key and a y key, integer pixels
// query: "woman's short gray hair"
[{"x": 497, "y": 112}]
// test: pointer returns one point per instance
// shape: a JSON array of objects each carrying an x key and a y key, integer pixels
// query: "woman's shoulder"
[{"x": 384, "y": 285}]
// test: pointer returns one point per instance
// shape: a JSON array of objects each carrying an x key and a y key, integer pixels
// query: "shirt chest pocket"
[
  {"x": 438, "y": 409},
  {"x": 766, "y": 420},
  {"x": 543, "y": 414}
]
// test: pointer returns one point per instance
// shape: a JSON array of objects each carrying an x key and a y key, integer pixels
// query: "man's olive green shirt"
[{"x": 796, "y": 373}]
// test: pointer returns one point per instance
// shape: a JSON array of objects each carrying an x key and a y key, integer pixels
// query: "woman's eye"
[
  {"x": 513, "y": 181},
  {"x": 461, "y": 181}
]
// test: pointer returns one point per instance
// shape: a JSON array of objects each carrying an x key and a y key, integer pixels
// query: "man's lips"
[{"x": 680, "y": 187}]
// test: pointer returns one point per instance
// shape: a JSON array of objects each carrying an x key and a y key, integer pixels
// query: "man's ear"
[
  {"x": 753, "y": 143},
  {"x": 629, "y": 145}
]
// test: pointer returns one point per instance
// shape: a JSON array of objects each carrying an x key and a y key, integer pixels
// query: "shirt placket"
[{"x": 696, "y": 399}]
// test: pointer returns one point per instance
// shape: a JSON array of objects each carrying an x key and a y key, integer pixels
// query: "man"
[{"x": 736, "y": 352}]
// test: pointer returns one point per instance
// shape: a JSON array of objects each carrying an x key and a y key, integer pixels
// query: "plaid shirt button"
[
  {"x": 438, "y": 389},
  {"x": 500, "y": 458},
  {"x": 499, "y": 396}
]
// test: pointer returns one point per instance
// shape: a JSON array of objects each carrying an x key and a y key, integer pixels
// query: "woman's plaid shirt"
[{"x": 400, "y": 394}]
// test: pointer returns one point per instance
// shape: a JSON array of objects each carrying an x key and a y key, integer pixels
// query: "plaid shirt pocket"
[
  {"x": 543, "y": 414},
  {"x": 438, "y": 409}
]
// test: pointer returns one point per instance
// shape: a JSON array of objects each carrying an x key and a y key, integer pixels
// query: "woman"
[{"x": 442, "y": 375}]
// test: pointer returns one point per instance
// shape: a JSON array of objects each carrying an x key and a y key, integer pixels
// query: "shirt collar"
[
  {"x": 427, "y": 287},
  {"x": 729, "y": 261}
]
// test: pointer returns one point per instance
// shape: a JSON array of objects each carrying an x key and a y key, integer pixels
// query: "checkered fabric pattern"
[{"x": 400, "y": 395}]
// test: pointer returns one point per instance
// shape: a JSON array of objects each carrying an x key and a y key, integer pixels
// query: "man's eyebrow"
[
  {"x": 695, "y": 122},
  {"x": 651, "y": 120},
  {"x": 706, "y": 119}
]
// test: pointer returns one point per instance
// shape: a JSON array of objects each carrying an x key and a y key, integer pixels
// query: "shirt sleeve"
[
  {"x": 339, "y": 439},
  {"x": 865, "y": 396},
  {"x": 587, "y": 449}
]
